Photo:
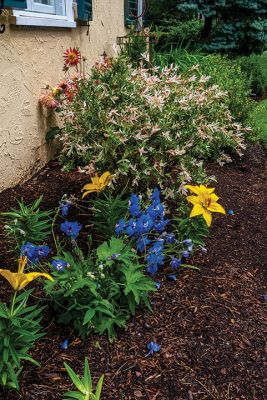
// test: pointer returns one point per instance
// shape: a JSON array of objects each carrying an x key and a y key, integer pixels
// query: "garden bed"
[{"x": 210, "y": 324}]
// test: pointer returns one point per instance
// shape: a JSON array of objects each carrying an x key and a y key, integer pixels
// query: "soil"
[{"x": 211, "y": 324}]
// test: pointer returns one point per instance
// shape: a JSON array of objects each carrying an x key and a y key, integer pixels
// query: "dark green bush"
[
  {"x": 255, "y": 69},
  {"x": 175, "y": 33}
]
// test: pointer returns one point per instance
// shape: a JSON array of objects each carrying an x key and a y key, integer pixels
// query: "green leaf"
[
  {"x": 52, "y": 133},
  {"x": 89, "y": 315},
  {"x": 99, "y": 387},
  {"x": 87, "y": 380},
  {"x": 75, "y": 379},
  {"x": 73, "y": 395}
]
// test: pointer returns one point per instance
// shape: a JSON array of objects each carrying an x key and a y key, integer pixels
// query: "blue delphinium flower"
[
  {"x": 144, "y": 224},
  {"x": 188, "y": 242},
  {"x": 59, "y": 265},
  {"x": 176, "y": 262},
  {"x": 142, "y": 242},
  {"x": 64, "y": 345},
  {"x": 155, "y": 195},
  {"x": 170, "y": 238},
  {"x": 131, "y": 227},
  {"x": 71, "y": 229},
  {"x": 230, "y": 212},
  {"x": 120, "y": 227},
  {"x": 34, "y": 253},
  {"x": 114, "y": 256},
  {"x": 153, "y": 348},
  {"x": 185, "y": 254},
  {"x": 134, "y": 207},
  {"x": 160, "y": 225},
  {"x": 155, "y": 257},
  {"x": 171, "y": 277},
  {"x": 65, "y": 207},
  {"x": 158, "y": 285},
  {"x": 156, "y": 210}
]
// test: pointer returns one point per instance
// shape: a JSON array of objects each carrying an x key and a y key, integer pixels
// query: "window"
[{"x": 56, "y": 13}]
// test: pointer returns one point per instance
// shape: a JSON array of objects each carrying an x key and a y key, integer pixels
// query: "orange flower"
[
  {"x": 48, "y": 101},
  {"x": 72, "y": 57}
]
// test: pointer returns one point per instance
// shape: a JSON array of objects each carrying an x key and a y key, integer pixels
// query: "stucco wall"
[{"x": 31, "y": 58}]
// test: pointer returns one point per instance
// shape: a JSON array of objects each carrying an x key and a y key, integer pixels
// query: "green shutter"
[
  {"x": 15, "y": 4},
  {"x": 85, "y": 10},
  {"x": 131, "y": 11}
]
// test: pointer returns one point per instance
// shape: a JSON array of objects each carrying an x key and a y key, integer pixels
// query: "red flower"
[{"x": 72, "y": 57}]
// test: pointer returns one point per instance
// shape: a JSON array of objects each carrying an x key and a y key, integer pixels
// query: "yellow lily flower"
[
  {"x": 98, "y": 183},
  {"x": 18, "y": 280},
  {"x": 205, "y": 202}
]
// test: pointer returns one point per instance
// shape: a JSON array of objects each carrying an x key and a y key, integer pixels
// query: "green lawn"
[{"x": 259, "y": 120}]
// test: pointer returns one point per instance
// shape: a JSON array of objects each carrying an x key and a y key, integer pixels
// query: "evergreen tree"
[{"x": 237, "y": 26}]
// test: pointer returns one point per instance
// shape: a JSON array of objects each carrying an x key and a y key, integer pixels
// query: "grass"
[{"x": 259, "y": 120}]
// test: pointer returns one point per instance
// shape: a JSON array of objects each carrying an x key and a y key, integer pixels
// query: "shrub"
[
  {"x": 223, "y": 71},
  {"x": 172, "y": 33},
  {"x": 100, "y": 292},
  {"x": 255, "y": 69},
  {"x": 140, "y": 124}
]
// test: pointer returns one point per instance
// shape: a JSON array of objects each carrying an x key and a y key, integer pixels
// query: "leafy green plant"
[
  {"x": 223, "y": 71},
  {"x": 106, "y": 212},
  {"x": 84, "y": 384},
  {"x": 194, "y": 228},
  {"x": 140, "y": 123},
  {"x": 255, "y": 69},
  {"x": 258, "y": 120},
  {"x": 19, "y": 329},
  {"x": 99, "y": 293},
  {"x": 27, "y": 223}
]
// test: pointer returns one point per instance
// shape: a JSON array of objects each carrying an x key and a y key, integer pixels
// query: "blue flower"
[
  {"x": 59, "y": 265},
  {"x": 155, "y": 195},
  {"x": 175, "y": 263},
  {"x": 185, "y": 254},
  {"x": 159, "y": 225},
  {"x": 171, "y": 277},
  {"x": 131, "y": 227},
  {"x": 134, "y": 208},
  {"x": 170, "y": 238},
  {"x": 142, "y": 242},
  {"x": 158, "y": 285},
  {"x": 144, "y": 224},
  {"x": 157, "y": 247},
  {"x": 120, "y": 227},
  {"x": 156, "y": 210},
  {"x": 152, "y": 269},
  {"x": 114, "y": 256},
  {"x": 71, "y": 229},
  {"x": 64, "y": 345},
  {"x": 34, "y": 253},
  {"x": 153, "y": 348},
  {"x": 65, "y": 207},
  {"x": 187, "y": 242},
  {"x": 230, "y": 212}
]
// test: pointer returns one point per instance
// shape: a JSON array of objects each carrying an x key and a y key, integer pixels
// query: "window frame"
[{"x": 33, "y": 18}]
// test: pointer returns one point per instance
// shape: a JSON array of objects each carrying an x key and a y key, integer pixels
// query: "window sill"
[{"x": 44, "y": 20}]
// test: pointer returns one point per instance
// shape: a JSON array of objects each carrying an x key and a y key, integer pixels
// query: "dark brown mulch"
[{"x": 211, "y": 324}]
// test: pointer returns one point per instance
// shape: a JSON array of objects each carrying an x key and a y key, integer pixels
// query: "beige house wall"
[{"x": 31, "y": 58}]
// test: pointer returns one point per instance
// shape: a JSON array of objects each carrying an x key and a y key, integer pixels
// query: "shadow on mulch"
[{"x": 211, "y": 324}]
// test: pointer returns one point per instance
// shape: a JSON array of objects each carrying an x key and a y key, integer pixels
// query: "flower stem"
[{"x": 13, "y": 301}]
